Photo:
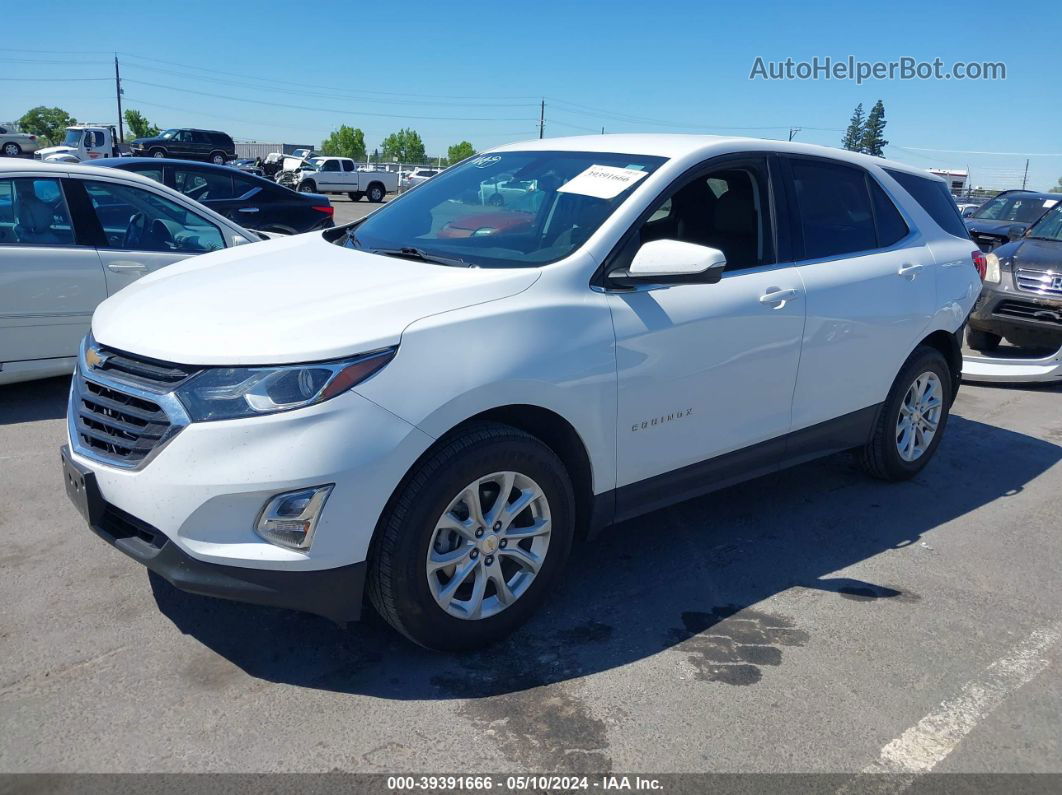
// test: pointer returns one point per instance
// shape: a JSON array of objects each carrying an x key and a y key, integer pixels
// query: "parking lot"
[{"x": 812, "y": 621}]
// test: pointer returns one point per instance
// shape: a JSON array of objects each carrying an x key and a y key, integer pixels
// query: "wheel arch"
[{"x": 951, "y": 349}]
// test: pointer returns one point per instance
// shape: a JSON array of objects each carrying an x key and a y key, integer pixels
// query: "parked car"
[
  {"x": 187, "y": 144},
  {"x": 83, "y": 142},
  {"x": 72, "y": 235},
  {"x": 341, "y": 175},
  {"x": 417, "y": 176},
  {"x": 250, "y": 165},
  {"x": 16, "y": 144},
  {"x": 434, "y": 419},
  {"x": 1007, "y": 215},
  {"x": 967, "y": 209},
  {"x": 253, "y": 202},
  {"x": 505, "y": 191},
  {"x": 1022, "y": 295}
]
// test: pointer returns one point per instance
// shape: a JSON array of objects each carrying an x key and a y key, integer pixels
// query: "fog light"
[{"x": 289, "y": 519}]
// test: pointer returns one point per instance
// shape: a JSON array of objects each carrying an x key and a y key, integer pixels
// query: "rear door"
[
  {"x": 50, "y": 280},
  {"x": 869, "y": 278},
  {"x": 139, "y": 231}
]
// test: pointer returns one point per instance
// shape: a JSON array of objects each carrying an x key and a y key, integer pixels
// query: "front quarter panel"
[{"x": 551, "y": 346}]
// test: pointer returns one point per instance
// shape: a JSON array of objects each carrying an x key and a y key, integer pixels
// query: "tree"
[
  {"x": 47, "y": 123},
  {"x": 458, "y": 152},
  {"x": 1058, "y": 187},
  {"x": 874, "y": 142},
  {"x": 345, "y": 142},
  {"x": 853, "y": 136},
  {"x": 138, "y": 124},
  {"x": 405, "y": 145}
]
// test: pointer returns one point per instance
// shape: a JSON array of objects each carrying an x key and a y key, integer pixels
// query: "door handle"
[
  {"x": 125, "y": 266},
  {"x": 248, "y": 209},
  {"x": 909, "y": 271},
  {"x": 777, "y": 296}
]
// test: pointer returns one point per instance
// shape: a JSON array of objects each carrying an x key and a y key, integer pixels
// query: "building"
[{"x": 955, "y": 178}]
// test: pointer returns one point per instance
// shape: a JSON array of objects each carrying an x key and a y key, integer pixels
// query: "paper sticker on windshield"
[
  {"x": 1050, "y": 202},
  {"x": 485, "y": 160},
  {"x": 602, "y": 182}
]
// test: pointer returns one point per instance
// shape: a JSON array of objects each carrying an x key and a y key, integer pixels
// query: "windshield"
[
  {"x": 73, "y": 138},
  {"x": 1023, "y": 208},
  {"x": 314, "y": 163},
  {"x": 508, "y": 209},
  {"x": 169, "y": 134},
  {"x": 1050, "y": 226}
]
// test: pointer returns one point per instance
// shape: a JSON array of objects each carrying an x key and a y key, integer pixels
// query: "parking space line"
[{"x": 919, "y": 749}]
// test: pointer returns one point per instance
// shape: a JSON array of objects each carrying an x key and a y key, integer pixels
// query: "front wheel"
[
  {"x": 912, "y": 419},
  {"x": 473, "y": 541},
  {"x": 307, "y": 187},
  {"x": 157, "y": 153}
]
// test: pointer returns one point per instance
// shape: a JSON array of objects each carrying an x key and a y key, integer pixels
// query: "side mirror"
[
  {"x": 675, "y": 261},
  {"x": 1016, "y": 232}
]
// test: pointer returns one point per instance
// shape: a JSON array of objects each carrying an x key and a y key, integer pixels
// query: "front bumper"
[
  {"x": 1002, "y": 307},
  {"x": 333, "y": 593},
  {"x": 1013, "y": 370}
]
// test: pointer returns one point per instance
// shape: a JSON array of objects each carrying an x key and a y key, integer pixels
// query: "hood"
[
  {"x": 57, "y": 150},
  {"x": 145, "y": 141},
  {"x": 298, "y": 299},
  {"x": 1041, "y": 254},
  {"x": 999, "y": 228}
]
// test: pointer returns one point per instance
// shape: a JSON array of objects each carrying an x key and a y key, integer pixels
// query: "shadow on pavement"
[
  {"x": 689, "y": 577},
  {"x": 34, "y": 400}
]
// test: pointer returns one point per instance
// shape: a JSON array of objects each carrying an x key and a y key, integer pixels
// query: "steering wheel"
[
  {"x": 134, "y": 231},
  {"x": 159, "y": 236}
]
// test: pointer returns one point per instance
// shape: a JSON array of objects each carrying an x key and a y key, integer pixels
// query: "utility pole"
[
  {"x": 542, "y": 118},
  {"x": 793, "y": 131},
  {"x": 1026, "y": 177},
  {"x": 602, "y": 130},
  {"x": 118, "y": 96}
]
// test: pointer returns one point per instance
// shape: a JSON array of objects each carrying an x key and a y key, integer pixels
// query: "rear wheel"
[
  {"x": 218, "y": 158},
  {"x": 376, "y": 193},
  {"x": 355, "y": 196},
  {"x": 474, "y": 540},
  {"x": 912, "y": 419},
  {"x": 982, "y": 340},
  {"x": 11, "y": 149}
]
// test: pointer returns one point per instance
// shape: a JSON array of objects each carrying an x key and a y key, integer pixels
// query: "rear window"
[
  {"x": 891, "y": 226},
  {"x": 934, "y": 198}
]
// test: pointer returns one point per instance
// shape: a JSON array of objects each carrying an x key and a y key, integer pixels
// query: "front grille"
[
  {"x": 1034, "y": 280},
  {"x": 118, "y": 406},
  {"x": 1029, "y": 311}
]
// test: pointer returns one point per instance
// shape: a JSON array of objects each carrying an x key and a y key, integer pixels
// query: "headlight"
[
  {"x": 226, "y": 393},
  {"x": 992, "y": 268}
]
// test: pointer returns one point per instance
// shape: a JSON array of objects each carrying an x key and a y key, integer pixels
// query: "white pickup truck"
[
  {"x": 83, "y": 142},
  {"x": 324, "y": 174}
]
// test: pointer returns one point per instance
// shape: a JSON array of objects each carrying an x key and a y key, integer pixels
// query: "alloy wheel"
[
  {"x": 489, "y": 545},
  {"x": 919, "y": 416}
]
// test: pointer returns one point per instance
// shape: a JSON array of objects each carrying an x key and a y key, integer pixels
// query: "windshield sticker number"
[{"x": 602, "y": 182}]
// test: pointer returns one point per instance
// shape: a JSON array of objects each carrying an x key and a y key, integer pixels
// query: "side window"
[
  {"x": 200, "y": 137},
  {"x": 140, "y": 220},
  {"x": 242, "y": 186},
  {"x": 727, "y": 209},
  {"x": 934, "y": 198},
  {"x": 891, "y": 226},
  {"x": 202, "y": 185},
  {"x": 330, "y": 165},
  {"x": 33, "y": 212},
  {"x": 348, "y": 165},
  {"x": 834, "y": 208},
  {"x": 150, "y": 173}
]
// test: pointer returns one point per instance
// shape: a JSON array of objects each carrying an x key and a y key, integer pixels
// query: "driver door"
[{"x": 141, "y": 231}]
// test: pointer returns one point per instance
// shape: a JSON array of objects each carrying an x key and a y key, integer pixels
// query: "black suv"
[
  {"x": 187, "y": 144},
  {"x": 1022, "y": 295},
  {"x": 1006, "y": 216}
]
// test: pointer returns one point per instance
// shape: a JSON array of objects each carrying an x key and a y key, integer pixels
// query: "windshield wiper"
[{"x": 409, "y": 252}]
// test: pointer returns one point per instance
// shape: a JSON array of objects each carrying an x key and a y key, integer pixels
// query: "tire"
[
  {"x": 884, "y": 455},
  {"x": 307, "y": 186},
  {"x": 982, "y": 340},
  {"x": 11, "y": 149},
  {"x": 217, "y": 158},
  {"x": 376, "y": 193},
  {"x": 496, "y": 200},
  {"x": 399, "y": 583},
  {"x": 157, "y": 153},
  {"x": 355, "y": 195}
]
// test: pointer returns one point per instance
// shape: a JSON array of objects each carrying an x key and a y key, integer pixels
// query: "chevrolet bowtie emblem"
[{"x": 95, "y": 358}]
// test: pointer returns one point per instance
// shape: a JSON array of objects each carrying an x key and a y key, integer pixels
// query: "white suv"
[{"x": 433, "y": 402}]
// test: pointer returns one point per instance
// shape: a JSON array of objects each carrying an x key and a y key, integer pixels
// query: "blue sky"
[{"x": 476, "y": 71}]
